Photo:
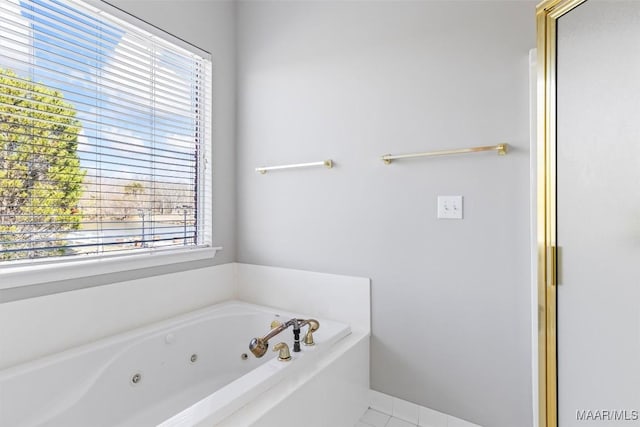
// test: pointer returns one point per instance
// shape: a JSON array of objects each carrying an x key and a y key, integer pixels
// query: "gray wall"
[{"x": 352, "y": 81}]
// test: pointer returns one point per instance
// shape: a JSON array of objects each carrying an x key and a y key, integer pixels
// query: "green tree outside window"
[{"x": 40, "y": 175}]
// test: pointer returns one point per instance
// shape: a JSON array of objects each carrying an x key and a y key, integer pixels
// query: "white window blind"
[{"x": 104, "y": 135}]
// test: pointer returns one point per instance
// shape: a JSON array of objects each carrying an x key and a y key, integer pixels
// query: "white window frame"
[{"x": 21, "y": 273}]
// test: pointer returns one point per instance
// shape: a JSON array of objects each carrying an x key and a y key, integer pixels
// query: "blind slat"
[
  {"x": 170, "y": 148},
  {"x": 91, "y": 99},
  {"x": 111, "y": 82}
]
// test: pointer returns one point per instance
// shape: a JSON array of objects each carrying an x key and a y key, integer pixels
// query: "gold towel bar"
[{"x": 500, "y": 148}]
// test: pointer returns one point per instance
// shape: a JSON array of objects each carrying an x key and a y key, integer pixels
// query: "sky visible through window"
[{"x": 138, "y": 106}]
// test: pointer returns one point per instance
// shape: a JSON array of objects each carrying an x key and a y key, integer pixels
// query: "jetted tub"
[{"x": 177, "y": 372}]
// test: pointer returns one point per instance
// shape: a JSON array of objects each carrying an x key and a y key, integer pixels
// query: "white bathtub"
[{"x": 189, "y": 370}]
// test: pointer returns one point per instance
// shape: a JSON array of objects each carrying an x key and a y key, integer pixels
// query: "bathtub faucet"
[{"x": 259, "y": 346}]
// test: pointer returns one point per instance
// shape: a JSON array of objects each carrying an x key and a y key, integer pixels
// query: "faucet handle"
[
  {"x": 284, "y": 355},
  {"x": 314, "y": 325},
  {"x": 308, "y": 339}
]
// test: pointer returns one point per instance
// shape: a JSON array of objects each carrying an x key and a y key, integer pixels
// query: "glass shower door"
[{"x": 598, "y": 214}]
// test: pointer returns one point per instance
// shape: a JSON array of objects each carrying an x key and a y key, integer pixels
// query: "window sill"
[{"x": 39, "y": 273}]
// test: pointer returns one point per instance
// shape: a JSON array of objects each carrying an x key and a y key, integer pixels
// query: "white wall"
[{"x": 352, "y": 81}]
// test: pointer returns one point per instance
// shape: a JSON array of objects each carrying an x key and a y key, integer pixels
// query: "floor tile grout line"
[{"x": 391, "y": 417}]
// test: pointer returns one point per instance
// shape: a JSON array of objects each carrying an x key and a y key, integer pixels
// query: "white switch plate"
[{"x": 449, "y": 207}]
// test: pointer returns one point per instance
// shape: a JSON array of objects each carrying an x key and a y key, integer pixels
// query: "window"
[{"x": 104, "y": 136}]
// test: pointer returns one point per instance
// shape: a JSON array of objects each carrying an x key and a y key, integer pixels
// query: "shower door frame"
[{"x": 547, "y": 14}]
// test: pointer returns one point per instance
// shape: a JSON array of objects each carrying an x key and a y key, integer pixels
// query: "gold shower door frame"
[{"x": 547, "y": 14}]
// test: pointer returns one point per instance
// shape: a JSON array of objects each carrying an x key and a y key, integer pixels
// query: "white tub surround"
[
  {"x": 175, "y": 373},
  {"x": 332, "y": 296},
  {"x": 334, "y": 390},
  {"x": 54, "y": 323},
  {"x": 184, "y": 392}
]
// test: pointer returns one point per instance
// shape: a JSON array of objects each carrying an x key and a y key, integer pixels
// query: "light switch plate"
[{"x": 449, "y": 207}]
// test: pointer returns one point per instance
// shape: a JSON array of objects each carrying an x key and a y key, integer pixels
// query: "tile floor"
[
  {"x": 388, "y": 411},
  {"x": 373, "y": 418}
]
